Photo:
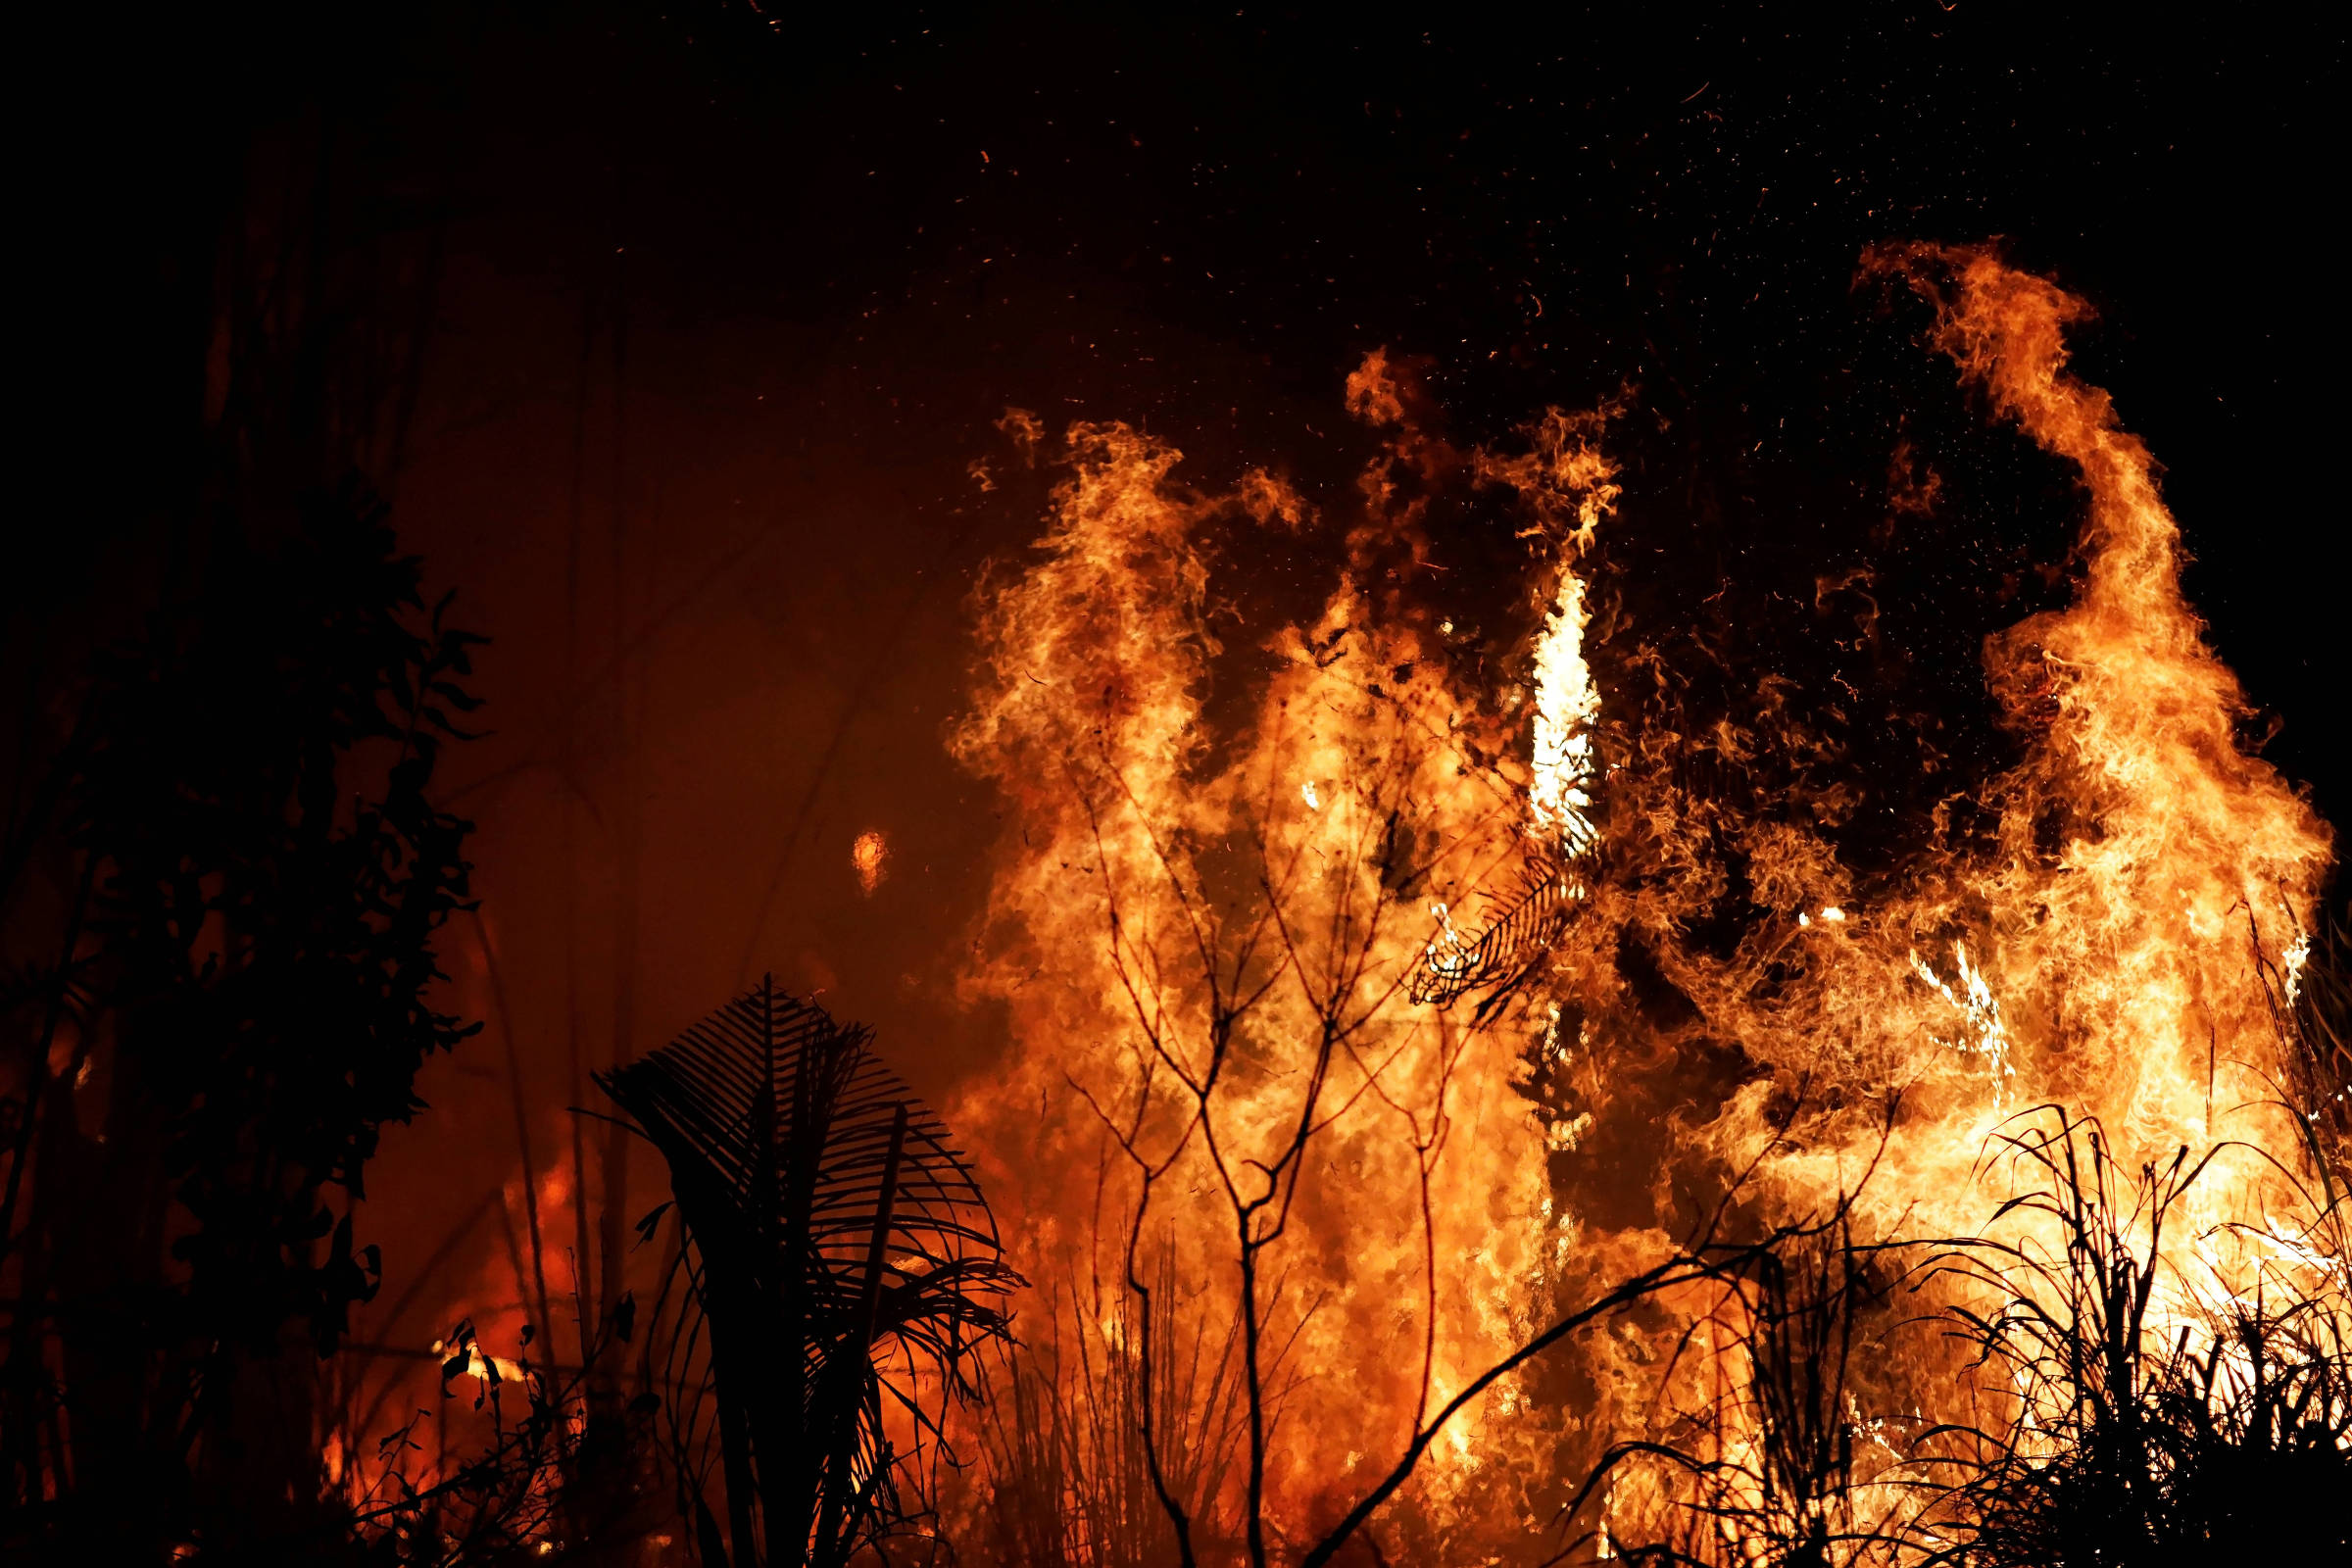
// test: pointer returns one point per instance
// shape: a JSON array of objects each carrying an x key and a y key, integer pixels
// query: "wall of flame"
[{"x": 2109, "y": 938}]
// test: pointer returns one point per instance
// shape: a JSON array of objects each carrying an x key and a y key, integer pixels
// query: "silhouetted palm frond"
[
  {"x": 1531, "y": 917},
  {"x": 834, "y": 1230}
]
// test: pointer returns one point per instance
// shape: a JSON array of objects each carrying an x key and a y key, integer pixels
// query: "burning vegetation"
[{"x": 2019, "y": 1188}]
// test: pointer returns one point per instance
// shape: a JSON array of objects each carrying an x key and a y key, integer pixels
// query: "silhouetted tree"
[{"x": 251, "y": 877}]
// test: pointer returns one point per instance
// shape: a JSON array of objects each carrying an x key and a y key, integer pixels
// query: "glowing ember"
[{"x": 869, "y": 857}]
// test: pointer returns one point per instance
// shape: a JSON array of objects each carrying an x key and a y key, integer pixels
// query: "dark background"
[{"x": 693, "y": 320}]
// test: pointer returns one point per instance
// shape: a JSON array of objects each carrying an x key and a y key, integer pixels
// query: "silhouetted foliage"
[
  {"x": 1069, "y": 1476},
  {"x": 2129, "y": 1414},
  {"x": 833, "y": 1233},
  {"x": 242, "y": 1002},
  {"x": 1768, "y": 1469},
  {"x": 2130, "y": 1445},
  {"x": 531, "y": 1493}
]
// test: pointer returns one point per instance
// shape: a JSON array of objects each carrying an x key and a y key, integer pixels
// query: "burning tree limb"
[
  {"x": 831, "y": 1228},
  {"x": 1201, "y": 993}
]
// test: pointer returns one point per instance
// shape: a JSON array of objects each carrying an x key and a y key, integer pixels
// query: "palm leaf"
[
  {"x": 1528, "y": 923},
  {"x": 836, "y": 1228}
]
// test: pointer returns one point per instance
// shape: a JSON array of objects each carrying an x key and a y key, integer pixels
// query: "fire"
[
  {"x": 1163, "y": 876},
  {"x": 1335, "y": 961}
]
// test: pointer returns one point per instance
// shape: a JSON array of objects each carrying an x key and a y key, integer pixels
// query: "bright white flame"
[
  {"x": 1307, "y": 793},
  {"x": 479, "y": 1365},
  {"x": 1566, "y": 706},
  {"x": 1982, "y": 1011},
  {"x": 2294, "y": 959}
]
